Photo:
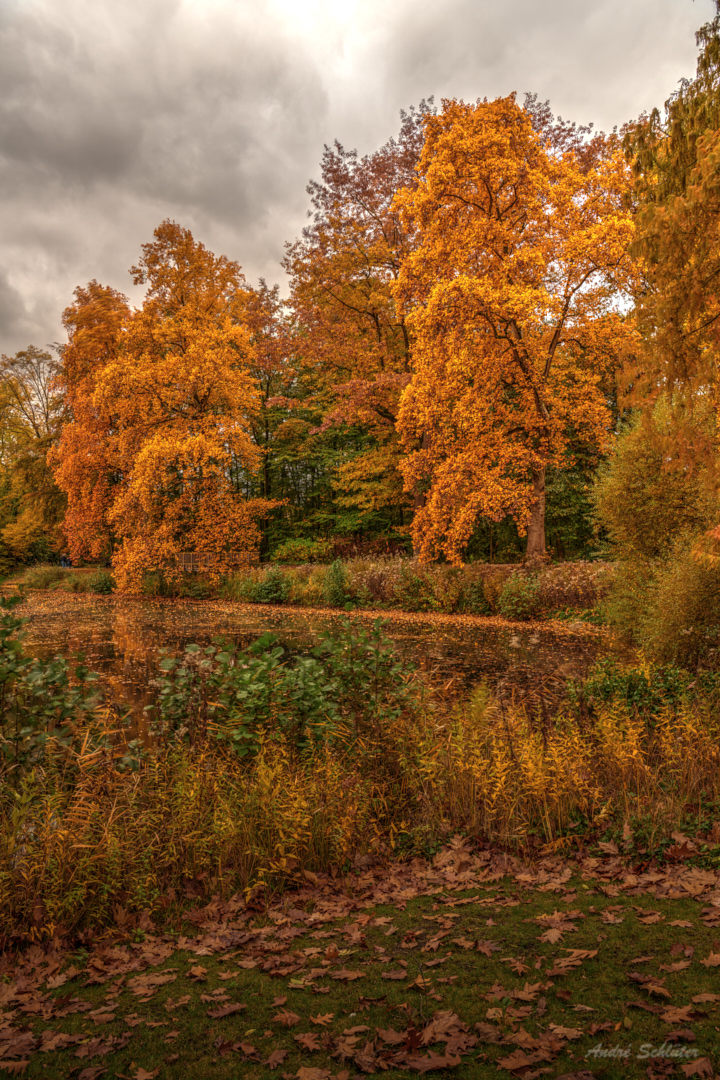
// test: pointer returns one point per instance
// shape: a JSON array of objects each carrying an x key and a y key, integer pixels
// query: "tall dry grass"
[
  {"x": 393, "y": 582},
  {"x": 195, "y": 818}
]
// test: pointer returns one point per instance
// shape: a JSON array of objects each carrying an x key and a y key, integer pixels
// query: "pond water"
[{"x": 122, "y": 637}]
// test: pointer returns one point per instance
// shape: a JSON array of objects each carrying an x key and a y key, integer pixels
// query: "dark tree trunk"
[
  {"x": 536, "y": 524},
  {"x": 419, "y": 497}
]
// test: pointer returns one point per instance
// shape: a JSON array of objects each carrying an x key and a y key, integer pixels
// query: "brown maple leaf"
[
  {"x": 323, "y": 1019},
  {"x": 276, "y": 1058},
  {"x": 700, "y": 1067},
  {"x": 286, "y": 1018},
  {"x": 347, "y": 976},
  {"x": 226, "y": 1010},
  {"x": 308, "y": 1041}
]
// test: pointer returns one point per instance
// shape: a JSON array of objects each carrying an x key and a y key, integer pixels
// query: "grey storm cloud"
[{"x": 214, "y": 112}]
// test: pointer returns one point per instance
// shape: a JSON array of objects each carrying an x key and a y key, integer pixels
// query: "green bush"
[
  {"x": 680, "y": 623},
  {"x": 647, "y": 690},
  {"x": 473, "y": 600},
  {"x": 414, "y": 591},
  {"x": 520, "y": 597},
  {"x": 272, "y": 588},
  {"x": 302, "y": 550},
  {"x": 643, "y": 498},
  {"x": 352, "y": 676},
  {"x": 664, "y": 599},
  {"x": 335, "y": 585}
]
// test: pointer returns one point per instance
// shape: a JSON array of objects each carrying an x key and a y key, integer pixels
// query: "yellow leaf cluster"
[
  {"x": 161, "y": 442},
  {"x": 516, "y": 293}
]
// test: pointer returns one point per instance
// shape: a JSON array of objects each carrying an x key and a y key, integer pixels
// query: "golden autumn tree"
[
  {"x": 32, "y": 411},
  {"x": 515, "y": 292},
  {"x": 172, "y": 398},
  {"x": 352, "y": 339},
  {"x": 675, "y": 156},
  {"x": 85, "y": 461}
]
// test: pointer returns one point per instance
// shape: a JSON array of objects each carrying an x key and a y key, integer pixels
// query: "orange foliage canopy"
[
  {"x": 162, "y": 399},
  {"x": 84, "y": 463},
  {"x": 350, "y": 333},
  {"x": 514, "y": 291}
]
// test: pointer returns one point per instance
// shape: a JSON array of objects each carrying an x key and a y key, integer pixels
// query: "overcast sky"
[{"x": 116, "y": 114}]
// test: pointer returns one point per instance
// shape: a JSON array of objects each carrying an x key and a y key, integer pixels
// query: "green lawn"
[{"x": 460, "y": 967}]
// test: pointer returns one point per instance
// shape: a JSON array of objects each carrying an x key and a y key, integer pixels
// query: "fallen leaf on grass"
[
  {"x": 681, "y": 1016},
  {"x": 276, "y": 1058},
  {"x": 701, "y": 1067},
  {"x": 17, "y": 1068},
  {"x": 431, "y": 1061},
  {"x": 313, "y": 1074},
  {"x": 656, "y": 988},
  {"x": 181, "y": 1001},
  {"x": 702, "y": 999},
  {"x": 517, "y": 1060},
  {"x": 308, "y": 1041},
  {"x": 391, "y": 1037},
  {"x": 92, "y": 1072},
  {"x": 143, "y": 1074},
  {"x": 713, "y": 960},
  {"x": 56, "y": 981},
  {"x": 552, "y": 936},
  {"x": 146, "y": 985},
  {"x": 287, "y": 1019},
  {"x": 566, "y": 1032},
  {"x": 322, "y": 1019},
  {"x": 399, "y": 974},
  {"x": 197, "y": 973},
  {"x": 226, "y": 1010},
  {"x": 683, "y": 924},
  {"x": 100, "y": 1047},
  {"x": 680, "y": 965},
  {"x": 347, "y": 976}
]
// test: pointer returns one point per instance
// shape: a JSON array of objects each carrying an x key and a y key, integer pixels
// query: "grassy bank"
[{"x": 569, "y": 590}]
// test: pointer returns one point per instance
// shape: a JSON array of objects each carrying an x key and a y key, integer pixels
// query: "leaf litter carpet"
[{"x": 472, "y": 965}]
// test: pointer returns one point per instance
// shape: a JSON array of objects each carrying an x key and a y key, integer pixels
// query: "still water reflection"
[{"x": 121, "y": 638}]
